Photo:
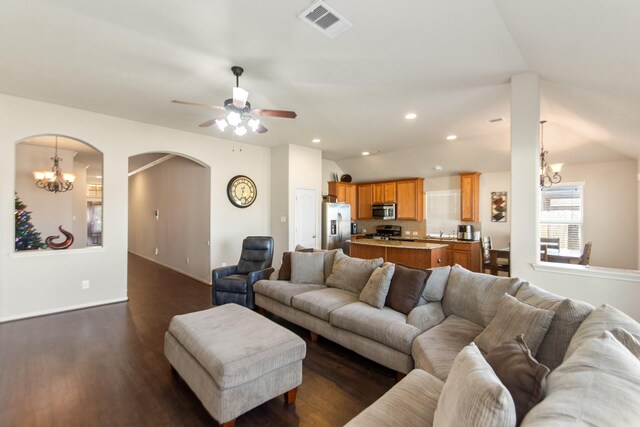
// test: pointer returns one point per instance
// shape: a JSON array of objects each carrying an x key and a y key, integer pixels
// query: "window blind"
[
  {"x": 443, "y": 211},
  {"x": 561, "y": 214}
]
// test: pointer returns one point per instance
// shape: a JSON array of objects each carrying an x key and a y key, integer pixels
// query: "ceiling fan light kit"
[{"x": 238, "y": 113}]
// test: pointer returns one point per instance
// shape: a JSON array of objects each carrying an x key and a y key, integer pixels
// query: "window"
[
  {"x": 443, "y": 211},
  {"x": 561, "y": 214}
]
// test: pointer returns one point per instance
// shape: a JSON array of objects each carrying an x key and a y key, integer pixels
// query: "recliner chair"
[{"x": 234, "y": 283}]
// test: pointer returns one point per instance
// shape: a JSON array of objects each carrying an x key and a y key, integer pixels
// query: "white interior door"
[{"x": 306, "y": 218}]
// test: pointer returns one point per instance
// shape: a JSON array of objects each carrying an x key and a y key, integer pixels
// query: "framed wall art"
[{"x": 499, "y": 206}]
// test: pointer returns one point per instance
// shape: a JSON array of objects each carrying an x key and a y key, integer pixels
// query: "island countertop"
[{"x": 399, "y": 244}]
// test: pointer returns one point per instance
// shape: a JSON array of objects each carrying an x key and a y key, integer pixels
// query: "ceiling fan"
[{"x": 238, "y": 112}]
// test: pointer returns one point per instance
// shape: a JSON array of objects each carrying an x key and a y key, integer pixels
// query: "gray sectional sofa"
[{"x": 462, "y": 318}]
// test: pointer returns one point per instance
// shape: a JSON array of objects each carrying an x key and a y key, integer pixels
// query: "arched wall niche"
[{"x": 40, "y": 212}]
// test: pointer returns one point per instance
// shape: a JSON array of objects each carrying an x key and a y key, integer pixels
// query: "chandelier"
[
  {"x": 549, "y": 173},
  {"x": 54, "y": 181}
]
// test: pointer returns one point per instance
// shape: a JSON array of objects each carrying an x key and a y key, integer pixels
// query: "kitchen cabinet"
[
  {"x": 384, "y": 192},
  {"x": 466, "y": 254},
  {"x": 469, "y": 197},
  {"x": 412, "y": 254},
  {"x": 345, "y": 192},
  {"x": 365, "y": 200},
  {"x": 410, "y": 199}
]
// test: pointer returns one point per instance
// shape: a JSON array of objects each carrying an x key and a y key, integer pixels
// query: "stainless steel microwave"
[{"x": 383, "y": 211}]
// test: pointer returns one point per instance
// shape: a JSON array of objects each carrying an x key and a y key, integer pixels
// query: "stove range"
[{"x": 389, "y": 232}]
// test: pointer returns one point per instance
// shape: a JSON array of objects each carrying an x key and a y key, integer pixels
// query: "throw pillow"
[
  {"x": 406, "y": 288},
  {"x": 285, "y": 268},
  {"x": 523, "y": 376},
  {"x": 597, "y": 385},
  {"x": 307, "y": 267},
  {"x": 351, "y": 274},
  {"x": 512, "y": 319},
  {"x": 300, "y": 248},
  {"x": 627, "y": 340},
  {"x": 375, "y": 291},
  {"x": 473, "y": 395},
  {"x": 474, "y": 296},
  {"x": 569, "y": 315}
]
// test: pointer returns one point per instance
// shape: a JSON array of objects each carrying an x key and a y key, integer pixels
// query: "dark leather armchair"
[{"x": 234, "y": 283}]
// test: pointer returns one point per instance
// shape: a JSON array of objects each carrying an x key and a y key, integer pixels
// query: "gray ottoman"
[{"x": 234, "y": 359}]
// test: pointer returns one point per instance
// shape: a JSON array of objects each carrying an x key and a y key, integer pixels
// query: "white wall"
[
  {"x": 292, "y": 167},
  {"x": 499, "y": 232},
  {"x": 50, "y": 281},
  {"x": 329, "y": 170},
  {"x": 179, "y": 190}
]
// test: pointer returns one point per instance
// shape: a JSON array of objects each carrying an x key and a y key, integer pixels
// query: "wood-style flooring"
[{"x": 105, "y": 366}]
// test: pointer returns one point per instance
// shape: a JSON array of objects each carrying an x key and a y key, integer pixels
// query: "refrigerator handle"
[{"x": 339, "y": 227}]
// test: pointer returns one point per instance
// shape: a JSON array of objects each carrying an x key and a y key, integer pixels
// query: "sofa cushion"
[
  {"x": 411, "y": 402},
  {"x": 351, "y": 274},
  {"x": 285, "y": 267},
  {"x": 406, "y": 288},
  {"x": 523, "y": 376},
  {"x": 475, "y": 296},
  {"x": 375, "y": 291},
  {"x": 435, "y": 349},
  {"x": 307, "y": 267},
  {"x": 426, "y": 316},
  {"x": 512, "y": 319},
  {"x": 282, "y": 291},
  {"x": 597, "y": 385},
  {"x": 627, "y": 340},
  {"x": 329, "y": 257},
  {"x": 473, "y": 395},
  {"x": 603, "y": 318},
  {"x": 322, "y": 302},
  {"x": 437, "y": 282},
  {"x": 386, "y": 326},
  {"x": 569, "y": 314}
]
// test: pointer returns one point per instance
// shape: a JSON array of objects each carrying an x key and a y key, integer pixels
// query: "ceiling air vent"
[{"x": 324, "y": 19}]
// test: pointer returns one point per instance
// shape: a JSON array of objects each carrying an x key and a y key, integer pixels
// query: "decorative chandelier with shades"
[
  {"x": 54, "y": 180},
  {"x": 549, "y": 172}
]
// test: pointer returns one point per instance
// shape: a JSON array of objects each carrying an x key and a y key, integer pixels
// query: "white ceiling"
[{"x": 447, "y": 60}]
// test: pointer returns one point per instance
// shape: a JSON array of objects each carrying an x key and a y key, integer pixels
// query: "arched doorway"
[{"x": 170, "y": 211}]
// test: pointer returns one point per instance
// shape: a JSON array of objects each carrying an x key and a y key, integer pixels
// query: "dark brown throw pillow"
[
  {"x": 406, "y": 288},
  {"x": 520, "y": 373},
  {"x": 285, "y": 268}
]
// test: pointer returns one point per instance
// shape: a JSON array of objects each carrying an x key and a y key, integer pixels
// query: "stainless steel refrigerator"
[{"x": 336, "y": 226}]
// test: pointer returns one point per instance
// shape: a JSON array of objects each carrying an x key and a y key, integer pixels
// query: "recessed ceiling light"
[
  {"x": 437, "y": 168},
  {"x": 452, "y": 137},
  {"x": 316, "y": 140},
  {"x": 365, "y": 153},
  {"x": 410, "y": 116}
]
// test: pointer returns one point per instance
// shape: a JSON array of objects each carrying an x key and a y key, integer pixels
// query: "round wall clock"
[{"x": 241, "y": 191}]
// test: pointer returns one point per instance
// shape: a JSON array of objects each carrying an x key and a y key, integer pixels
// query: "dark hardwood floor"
[{"x": 105, "y": 366}]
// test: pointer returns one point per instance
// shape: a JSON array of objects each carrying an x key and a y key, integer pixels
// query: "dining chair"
[
  {"x": 586, "y": 254},
  {"x": 501, "y": 265},
  {"x": 544, "y": 253},
  {"x": 550, "y": 242}
]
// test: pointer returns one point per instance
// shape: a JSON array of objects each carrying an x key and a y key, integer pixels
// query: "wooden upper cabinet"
[
  {"x": 469, "y": 197},
  {"x": 410, "y": 199},
  {"x": 384, "y": 192},
  {"x": 345, "y": 192},
  {"x": 365, "y": 200}
]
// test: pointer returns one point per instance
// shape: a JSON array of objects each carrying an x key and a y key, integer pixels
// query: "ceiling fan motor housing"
[{"x": 228, "y": 104}]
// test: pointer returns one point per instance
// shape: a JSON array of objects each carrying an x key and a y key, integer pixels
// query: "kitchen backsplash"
[{"x": 419, "y": 227}]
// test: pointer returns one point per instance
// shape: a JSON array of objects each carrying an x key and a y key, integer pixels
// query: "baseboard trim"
[
  {"x": 170, "y": 267},
  {"x": 62, "y": 309}
]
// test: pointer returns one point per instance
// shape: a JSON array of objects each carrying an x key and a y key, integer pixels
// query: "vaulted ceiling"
[{"x": 448, "y": 61}]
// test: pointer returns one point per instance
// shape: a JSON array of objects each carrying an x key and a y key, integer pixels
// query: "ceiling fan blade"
[
  {"x": 240, "y": 97},
  {"x": 275, "y": 113},
  {"x": 207, "y": 123},
  {"x": 261, "y": 129},
  {"x": 195, "y": 104}
]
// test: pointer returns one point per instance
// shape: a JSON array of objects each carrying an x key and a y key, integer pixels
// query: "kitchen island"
[{"x": 412, "y": 254}]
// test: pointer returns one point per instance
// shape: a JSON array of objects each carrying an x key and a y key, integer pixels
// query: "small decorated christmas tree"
[{"x": 27, "y": 237}]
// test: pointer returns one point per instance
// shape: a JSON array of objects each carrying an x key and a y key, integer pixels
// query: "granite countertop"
[
  {"x": 399, "y": 244},
  {"x": 447, "y": 240}
]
